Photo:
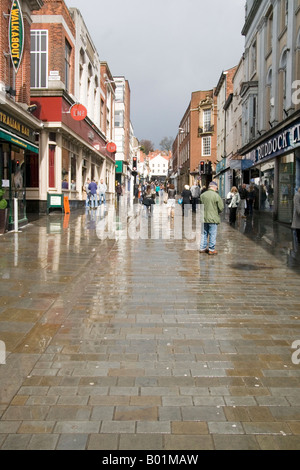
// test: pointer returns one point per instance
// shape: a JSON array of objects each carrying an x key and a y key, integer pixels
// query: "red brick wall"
[
  {"x": 57, "y": 38},
  {"x": 196, "y": 142}
]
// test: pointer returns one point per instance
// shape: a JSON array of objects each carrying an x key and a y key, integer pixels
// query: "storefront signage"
[
  {"x": 280, "y": 143},
  {"x": 111, "y": 147},
  {"x": 78, "y": 112},
  {"x": 16, "y": 34},
  {"x": 12, "y": 123}
]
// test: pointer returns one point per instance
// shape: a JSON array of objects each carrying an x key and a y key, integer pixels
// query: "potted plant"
[{"x": 3, "y": 211}]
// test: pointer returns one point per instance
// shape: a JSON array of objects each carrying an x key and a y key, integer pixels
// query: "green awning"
[
  {"x": 18, "y": 141},
  {"x": 119, "y": 166}
]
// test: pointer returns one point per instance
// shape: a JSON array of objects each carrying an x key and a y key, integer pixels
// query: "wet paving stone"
[{"x": 123, "y": 344}]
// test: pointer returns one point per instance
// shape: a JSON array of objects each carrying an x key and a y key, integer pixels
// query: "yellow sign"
[
  {"x": 12, "y": 123},
  {"x": 16, "y": 34}
]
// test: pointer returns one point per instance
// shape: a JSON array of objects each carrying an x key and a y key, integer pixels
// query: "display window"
[{"x": 286, "y": 188}]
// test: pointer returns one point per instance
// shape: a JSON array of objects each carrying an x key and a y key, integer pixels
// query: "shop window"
[
  {"x": 73, "y": 167},
  {"x": 267, "y": 187},
  {"x": 32, "y": 170},
  {"x": 286, "y": 188}
]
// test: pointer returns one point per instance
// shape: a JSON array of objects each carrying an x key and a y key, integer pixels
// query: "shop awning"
[{"x": 18, "y": 141}]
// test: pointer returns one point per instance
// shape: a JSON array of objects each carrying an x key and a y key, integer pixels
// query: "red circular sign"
[
  {"x": 78, "y": 112},
  {"x": 111, "y": 147}
]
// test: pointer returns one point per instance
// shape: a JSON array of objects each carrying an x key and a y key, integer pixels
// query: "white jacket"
[{"x": 235, "y": 199}]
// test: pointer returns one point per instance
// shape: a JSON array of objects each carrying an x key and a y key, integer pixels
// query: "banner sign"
[{"x": 16, "y": 34}]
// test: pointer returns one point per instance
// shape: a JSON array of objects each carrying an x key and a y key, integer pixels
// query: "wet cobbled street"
[{"x": 123, "y": 343}]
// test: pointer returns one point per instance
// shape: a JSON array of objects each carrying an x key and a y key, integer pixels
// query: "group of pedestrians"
[{"x": 95, "y": 193}]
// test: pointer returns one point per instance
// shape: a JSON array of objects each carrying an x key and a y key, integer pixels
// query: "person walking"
[
  {"x": 171, "y": 200},
  {"x": 119, "y": 192},
  {"x": 296, "y": 218},
  {"x": 87, "y": 192},
  {"x": 251, "y": 199},
  {"x": 195, "y": 190},
  {"x": 233, "y": 205},
  {"x": 186, "y": 199},
  {"x": 213, "y": 206},
  {"x": 102, "y": 192},
  {"x": 93, "y": 190},
  {"x": 148, "y": 200},
  {"x": 243, "y": 192}
]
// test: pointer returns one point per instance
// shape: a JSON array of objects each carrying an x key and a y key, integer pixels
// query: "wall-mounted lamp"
[{"x": 32, "y": 108}]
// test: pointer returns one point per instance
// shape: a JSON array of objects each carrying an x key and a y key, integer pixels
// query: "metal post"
[{"x": 16, "y": 215}]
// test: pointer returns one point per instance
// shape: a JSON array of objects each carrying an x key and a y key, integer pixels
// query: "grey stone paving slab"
[{"x": 157, "y": 351}]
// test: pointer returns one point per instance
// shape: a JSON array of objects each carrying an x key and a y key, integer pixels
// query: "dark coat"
[
  {"x": 296, "y": 217},
  {"x": 186, "y": 196}
]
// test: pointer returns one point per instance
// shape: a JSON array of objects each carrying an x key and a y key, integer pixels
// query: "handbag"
[
  {"x": 180, "y": 201},
  {"x": 228, "y": 201}
]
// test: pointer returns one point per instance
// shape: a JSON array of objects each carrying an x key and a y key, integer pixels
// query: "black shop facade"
[
  {"x": 275, "y": 170},
  {"x": 19, "y": 158}
]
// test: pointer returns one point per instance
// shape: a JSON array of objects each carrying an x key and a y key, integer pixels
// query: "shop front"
[
  {"x": 19, "y": 160},
  {"x": 275, "y": 172}
]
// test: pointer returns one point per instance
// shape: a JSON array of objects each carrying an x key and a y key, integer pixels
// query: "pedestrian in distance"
[
  {"x": 213, "y": 207},
  {"x": 87, "y": 193},
  {"x": 251, "y": 196},
  {"x": 119, "y": 192},
  {"x": 296, "y": 218},
  {"x": 186, "y": 199},
  {"x": 93, "y": 190},
  {"x": 65, "y": 184},
  {"x": 243, "y": 195},
  {"x": 148, "y": 200},
  {"x": 171, "y": 200},
  {"x": 102, "y": 192},
  {"x": 234, "y": 198},
  {"x": 195, "y": 190}
]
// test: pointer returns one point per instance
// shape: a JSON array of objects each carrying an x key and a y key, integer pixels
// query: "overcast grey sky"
[{"x": 166, "y": 49}]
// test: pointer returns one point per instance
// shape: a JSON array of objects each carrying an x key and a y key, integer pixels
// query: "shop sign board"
[
  {"x": 16, "y": 34},
  {"x": 285, "y": 140}
]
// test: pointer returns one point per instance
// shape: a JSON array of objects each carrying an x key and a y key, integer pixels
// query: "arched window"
[
  {"x": 283, "y": 84},
  {"x": 296, "y": 76},
  {"x": 269, "y": 99}
]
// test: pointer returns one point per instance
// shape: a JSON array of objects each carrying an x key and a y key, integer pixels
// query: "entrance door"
[{"x": 286, "y": 188}]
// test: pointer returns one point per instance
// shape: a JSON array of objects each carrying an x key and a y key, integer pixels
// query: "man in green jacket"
[{"x": 213, "y": 206}]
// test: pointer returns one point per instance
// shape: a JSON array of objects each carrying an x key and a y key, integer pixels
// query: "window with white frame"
[
  {"x": 68, "y": 51},
  {"x": 206, "y": 120},
  {"x": 206, "y": 146},
  {"x": 39, "y": 58},
  {"x": 253, "y": 58}
]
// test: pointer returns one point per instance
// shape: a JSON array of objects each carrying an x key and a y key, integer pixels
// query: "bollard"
[{"x": 16, "y": 215}]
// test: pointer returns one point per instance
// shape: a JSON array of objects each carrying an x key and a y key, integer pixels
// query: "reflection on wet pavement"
[{"x": 120, "y": 342}]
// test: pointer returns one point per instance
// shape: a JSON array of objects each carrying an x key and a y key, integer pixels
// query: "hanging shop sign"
[
  {"x": 111, "y": 147},
  {"x": 16, "y": 34},
  {"x": 78, "y": 112}
]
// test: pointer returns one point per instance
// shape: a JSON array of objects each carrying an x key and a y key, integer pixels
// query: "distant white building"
[{"x": 159, "y": 166}]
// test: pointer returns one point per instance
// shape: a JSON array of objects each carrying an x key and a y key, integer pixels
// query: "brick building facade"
[
  {"x": 18, "y": 127},
  {"x": 65, "y": 70},
  {"x": 196, "y": 141}
]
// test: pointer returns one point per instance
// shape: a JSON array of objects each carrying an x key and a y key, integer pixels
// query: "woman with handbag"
[{"x": 233, "y": 200}]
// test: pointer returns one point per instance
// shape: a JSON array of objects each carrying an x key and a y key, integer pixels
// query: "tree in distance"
[
  {"x": 166, "y": 143},
  {"x": 147, "y": 146}
]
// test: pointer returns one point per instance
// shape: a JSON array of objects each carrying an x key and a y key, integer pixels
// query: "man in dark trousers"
[
  {"x": 93, "y": 191},
  {"x": 213, "y": 206},
  {"x": 244, "y": 195}
]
